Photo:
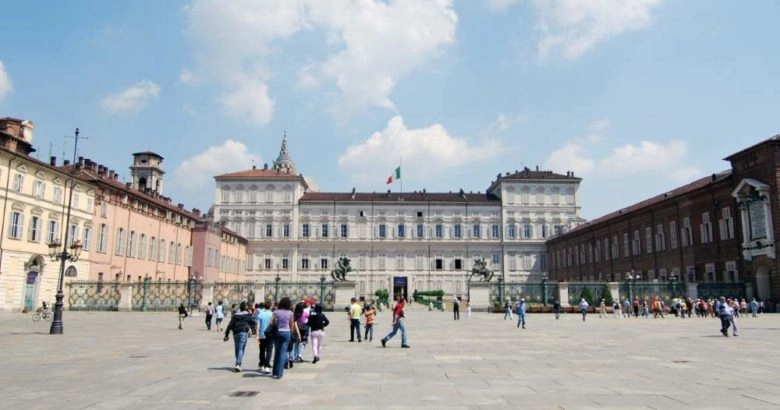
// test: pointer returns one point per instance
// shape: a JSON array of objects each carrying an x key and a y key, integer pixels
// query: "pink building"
[{"x": 218, "y": 254}]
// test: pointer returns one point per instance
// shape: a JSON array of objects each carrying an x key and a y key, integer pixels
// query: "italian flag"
[{"x": 394, "y": 176}]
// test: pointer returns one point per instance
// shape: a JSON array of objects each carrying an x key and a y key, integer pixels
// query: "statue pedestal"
[
  {"x": 345, "y": 291},
  {"x": 125, "y": 297},
  {"x": 563, "y": 294},
  {"x": 479, "y": 296}
]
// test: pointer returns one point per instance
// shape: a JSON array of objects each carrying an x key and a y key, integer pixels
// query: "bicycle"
[{"x": 42, "y": 313}]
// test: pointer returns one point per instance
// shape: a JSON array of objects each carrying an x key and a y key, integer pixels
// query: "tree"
[
  {"x": 587, "y": 295},
  {"x": 606, "y": 294}
]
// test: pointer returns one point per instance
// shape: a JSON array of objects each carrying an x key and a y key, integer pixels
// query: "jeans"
[
  {"x": 557, "y": 314},
  {"x": 266, "y": 349},
  {"x": 521, "y": 319},
  {"x": 281, "y": 342},
  {"x": 584, "y": 313},
  {"x": 508, "y": 313},
  {"x": 398, "y": 325},
  {"x": 456, "y": 314},
  {"x": 317, "y": 339},
  {"x": 354, "y": 328},
  {"x": 208, "y": 322},
  {"x": 239, "y": 340},
  {"x": 369, "y": 331}
]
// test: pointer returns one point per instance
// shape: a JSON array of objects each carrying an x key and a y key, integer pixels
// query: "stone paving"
[{"x": 109, "y": 360}]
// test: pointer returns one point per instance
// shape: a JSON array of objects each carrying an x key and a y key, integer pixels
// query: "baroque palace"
[{"x": 397, "y": 241}]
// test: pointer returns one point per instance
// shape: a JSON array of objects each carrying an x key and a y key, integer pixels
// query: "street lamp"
[
  {"x": 147, "y": 278},
  {"x": 322, "y": 289},
  {"x": 544, "y": 288},
  {"x": 70, "y": 254},
  {"x": 276, "y": 292},
  {"x": 632, "y": 278}
]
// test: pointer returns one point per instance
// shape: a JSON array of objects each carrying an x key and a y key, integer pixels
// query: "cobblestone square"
[{"x": 109, "y": 360}]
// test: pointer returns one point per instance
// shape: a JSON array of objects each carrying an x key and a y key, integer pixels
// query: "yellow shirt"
[{"x": 355, "y": 311}]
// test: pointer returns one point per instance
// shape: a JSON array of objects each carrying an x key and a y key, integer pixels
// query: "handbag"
[{"x": 272, "y": 330}]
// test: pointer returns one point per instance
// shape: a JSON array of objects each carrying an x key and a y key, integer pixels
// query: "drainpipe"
[{"x": 5, "y": 206}]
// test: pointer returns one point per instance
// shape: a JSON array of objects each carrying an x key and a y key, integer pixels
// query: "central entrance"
[{"x": 400, "y": 287}]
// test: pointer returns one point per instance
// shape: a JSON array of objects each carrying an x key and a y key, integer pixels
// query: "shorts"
[{"x": 219, "y": 320}]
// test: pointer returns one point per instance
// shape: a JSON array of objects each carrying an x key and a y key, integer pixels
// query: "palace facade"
[{"x": 397, "y": 241}]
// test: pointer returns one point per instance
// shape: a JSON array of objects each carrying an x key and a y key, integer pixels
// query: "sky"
[{"x": 636, "y": 97}]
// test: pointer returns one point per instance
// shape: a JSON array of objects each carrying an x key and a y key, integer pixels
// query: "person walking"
[
  {"x": 616, "y": 313},
  {"x": 635, "y": 305},
  {"x": 220, "y": 314},
  {"x": 182, "y": 314},
  {"x": 370, "y": 313},
  {"x": 602, "y": 309},
  {"x": 209, "y": 315},
  {"x": 733, "y": 314},
  {"x": 240, "y": 324},
  {"x": 317, "y": 324},
  {"x": 723, "y": 313},
  {"x": 265, "y": 343},
  {"x": 468, "y": 309},
  {"x": 754, "y": 307},
  {"x": 398, "y": 324},
  {"x": 301, "y": 314},
  {"x": 584, "y": 308},
  {"x": 354, "y": 313},
  {"x": 455, "y": 308},
  {"x": 284, "y": 319},
  {"x": 556, "y": 309},
  {"x": 508, "y": 310},
  {"x": 521, "y": 313}
]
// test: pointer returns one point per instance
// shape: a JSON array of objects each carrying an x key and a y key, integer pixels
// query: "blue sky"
[{"x": 636, "y": 97}]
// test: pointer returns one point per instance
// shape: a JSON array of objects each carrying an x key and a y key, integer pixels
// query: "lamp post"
[
  {"x": 673, "y": 280},
  {"x": 632, "y": 278},
  {"x": 276, "y": 292},
  {"x": 191, "y": 288},
  {"x": 64, "y": 255},
  {"x": 544, "y": 288},
  {"x": 147, "y": 278},
  {"x": 322, "y": 290},
  {"x": 500, "y": 290}
]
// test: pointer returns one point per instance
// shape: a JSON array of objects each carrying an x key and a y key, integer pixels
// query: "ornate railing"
[
  {"x": 323, "y": 292},
  {"x": 93, "y": 295},
  {"x": 648, "y": 291},
  {"x": 158, "y": 295},
  {"x": 716, "y": 290},
  {"x": 233, "y": 293}
]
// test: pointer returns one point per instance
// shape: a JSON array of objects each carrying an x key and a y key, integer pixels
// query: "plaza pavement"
[{"x": 109, "y": 360}]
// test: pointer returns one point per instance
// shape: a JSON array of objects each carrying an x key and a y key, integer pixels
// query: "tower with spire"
[{"x": 284, "y": 164}]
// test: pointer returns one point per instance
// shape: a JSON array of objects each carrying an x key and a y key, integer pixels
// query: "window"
[
  {"x": 18, "y": 182},
  {"x": 420, "y": 231},
  {"x": 75, "y": 200},
  {"x": 142, "y": 247},
  {"x": 494, "y": 231},
  {"x": 458, "y": 230},
  {"x": 615, "y": 247},
  {"x": 305, "y": 263},
  {"x": 380, "y": 262},
  {"x": 57, "y": 195},
  {"x": 458, "y": 264},
  {"x": 103, "y": 209},
  {"x": 269, "y": 230},
  {"x": 626, "y": 252},
  {"x": 53, "y": 232},
  {"x": 660, "y": 240},
  {"x": 286, "y": 230},
  {"x": 267, "y": 263},
  {"x": 73, "y": 234},
  {"x": 636, "y": 244},
  {"x": 706, "y": 228},
  {"x": 475, "y": 231},
  {"x": 511, "y": 231},
  {"x": 131, "y": 245},
  {"x": 39, "y": 189},
  {"x": 726, "y": 224},
  {"x": 102, "y": 239},
  {"x": 439, "y": 264},
  {"x": 649, "y": 239},
  {"x": 90, "y": 205},
  {"x": 324, "y": 230},
  {"x": 86, "y": 238},
  {"x": 35, "y": 229},
  {"x": 305, "y": 231},
  {"x": 673, "y": 235},
  {"x": 344, "y": 230},
  {"x": 731, "y": 272},
  {"x": 161, "y": 253},
  {"x": 16, "y": 227},
  {"x": 171, "y": 252},
  {"x": 439, "y": 231},
  {"x": 119, "y": 245},
  {"x": 544, "y": 232},
  {"x": 527, "y": 231},
  {"x": 687, "y": 234},
  {"x": 153, "y": 250},
  {"x": 382, "y": 230},
  {"x": 401, "y": 231},
  {"x": 496, "y": 259},
  {"x": 324, "y": 263}
]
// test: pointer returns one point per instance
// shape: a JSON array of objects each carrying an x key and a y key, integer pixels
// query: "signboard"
[{"x": 757, "y": 220}]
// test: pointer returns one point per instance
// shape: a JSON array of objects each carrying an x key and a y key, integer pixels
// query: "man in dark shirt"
[{"x": 240, "y": 324}]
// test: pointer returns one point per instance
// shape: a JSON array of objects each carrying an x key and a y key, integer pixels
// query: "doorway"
[
  {"x": 400, "y": 287},
  {"x": 32, "y": 281},
  {"x": 762, "y": 283}
]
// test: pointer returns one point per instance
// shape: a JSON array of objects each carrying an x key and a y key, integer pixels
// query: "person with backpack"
[
  {"x": 220, "y": 313},
  {"x": 209, "y": 315},
  {"x": 317, "y": 324},
  {"x": 182, "y": 314},
  {"x": 521, "y": 307},
  {"x": 266, "y": 344},
  {"x": 722, "y": 308},
  {"x": 240, "y": 324}
]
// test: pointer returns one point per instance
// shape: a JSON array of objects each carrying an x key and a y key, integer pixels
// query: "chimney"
[
  {"x": 110, "y": 174},
  {"x": 81, "y": 160},
  {"x": 180, "y": 206},
  {"x": 53, "y": 161},
  {"x": 128, "y": 185},
  {"x": 65, "y": 163},
  {"x": 537, "y": 167}
]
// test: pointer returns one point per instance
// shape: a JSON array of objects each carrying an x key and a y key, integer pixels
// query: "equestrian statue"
[
  {"x": 480, "y": 270},
  {"x": 339, "y": 273}
]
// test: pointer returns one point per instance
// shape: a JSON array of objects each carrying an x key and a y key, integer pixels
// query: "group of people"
[
  {"x": 355, "y": 311},
  {"x": 281, "y": 330}
]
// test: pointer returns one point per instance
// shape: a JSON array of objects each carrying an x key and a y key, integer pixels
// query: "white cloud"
[
  {"x": 198, "y": 171},
  {"x": 425, "y": 151},
  {"x": 188, "y": 77},
  {"x": 500, "y": 5},
  {"x": 504, "y": 122},
  {"x": 360, "y": 34},
  {"x": 251, "y": 100},
  {"x": 191, "y": 110},
  {"x": 576, "y": 27},
  {"x": 134, "y": 98},
  {"x": 649, "y": 157},
  {"x": 5, "y": 82}
]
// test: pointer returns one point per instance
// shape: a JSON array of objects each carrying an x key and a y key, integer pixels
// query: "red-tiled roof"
[
  {"x": 397, "y": 197},
  {"x": 255, "y": 173},
  {"x": 775, "y": 138},
  {"x": 670, "y": 195}
]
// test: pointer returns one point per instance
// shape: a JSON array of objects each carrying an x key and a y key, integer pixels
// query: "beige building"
[
  {"x": 35, "y": 197},
  {"x": 219, "y": 254}
]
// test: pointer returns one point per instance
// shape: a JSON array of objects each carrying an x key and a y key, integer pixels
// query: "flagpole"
[{"x": 401, "y": 165}]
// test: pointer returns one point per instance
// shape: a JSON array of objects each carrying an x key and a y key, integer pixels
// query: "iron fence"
[
  {"x": 716, "y": 290},
  {"x": 648, "y": 291},
  {"x": 323, "y": 291},
  {"x": 93, "y": 295},
  {"x": 165, "y": 296}
]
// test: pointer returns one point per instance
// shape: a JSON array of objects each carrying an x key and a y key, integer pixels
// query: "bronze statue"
[
  {"x": 480, "y": 269},
  {"x": 339, "y": 273}
]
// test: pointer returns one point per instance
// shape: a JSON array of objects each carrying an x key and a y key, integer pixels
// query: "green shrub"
[
  {"x": 587, "y": 295},
  {"x": 607, "y": 295}
]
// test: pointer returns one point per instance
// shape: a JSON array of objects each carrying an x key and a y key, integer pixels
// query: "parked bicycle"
[{"x": 42, "y": 313}]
